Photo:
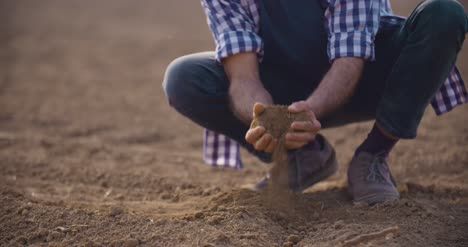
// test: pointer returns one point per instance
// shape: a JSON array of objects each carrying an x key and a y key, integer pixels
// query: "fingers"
[
  {"x": 297, "y": 140},
  {"x": 271, "y": 147},
  {"x": 258, "y": 108},
  {"x": 265, "y": 142},
  {"x": 313, "y": 126},
  {"x": 260, "y": 140},
  {"x": 294, "y": 145},
  {"x": 254, "y": 134},
  {"x": 299, "y": 106},
  {"x": 299, "y": 137}
]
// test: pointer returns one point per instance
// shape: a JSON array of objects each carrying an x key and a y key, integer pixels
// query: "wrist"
[
  {"x": 243, "y": 95},
  {"x": 314, "y": 107}
]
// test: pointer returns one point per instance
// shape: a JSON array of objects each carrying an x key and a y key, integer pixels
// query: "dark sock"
[{"x": 377, "y": 143}]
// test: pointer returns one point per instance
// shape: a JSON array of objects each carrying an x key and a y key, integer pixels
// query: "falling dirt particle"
[
  {"x": 114, "y": 211},
  {"x": 293, "y": 238}
]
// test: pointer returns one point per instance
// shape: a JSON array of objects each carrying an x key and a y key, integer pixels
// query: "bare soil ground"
[{"x": 91, "y": 154}]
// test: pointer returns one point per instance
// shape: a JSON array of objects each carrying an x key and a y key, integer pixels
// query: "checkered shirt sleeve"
[
  {"x": 352, "y": 26},
  {"x": 234, "y": 24}
]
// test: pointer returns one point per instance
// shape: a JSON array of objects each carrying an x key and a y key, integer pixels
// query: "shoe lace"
[{"x": 377, "y": 169}]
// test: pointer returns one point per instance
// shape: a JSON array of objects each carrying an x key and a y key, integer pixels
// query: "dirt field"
[{"x": 91, "y": 154}]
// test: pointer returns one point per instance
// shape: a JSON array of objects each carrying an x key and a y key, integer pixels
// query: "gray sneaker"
[
  {"x": 370, "y": 180},
  {"x": 307, "y": 166}
]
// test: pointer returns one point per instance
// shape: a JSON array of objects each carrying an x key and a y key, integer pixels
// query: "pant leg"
[
  {"x": 197, "y": 87},
  {"x": 428, "y": 42}
]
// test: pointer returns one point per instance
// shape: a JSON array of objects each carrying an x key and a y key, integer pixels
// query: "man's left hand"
[{"x": 304, "y": 131}]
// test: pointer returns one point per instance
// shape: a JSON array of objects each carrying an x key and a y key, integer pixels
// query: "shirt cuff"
[
  {"x": 234, "y": 42},
  {"x": 351, "y": 44}
]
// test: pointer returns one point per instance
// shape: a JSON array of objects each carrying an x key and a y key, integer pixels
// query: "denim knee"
[
  {"x": 445, "y": 18},
  {"x": 194, "y": 78},
  {"x": 174, "y": 78}
]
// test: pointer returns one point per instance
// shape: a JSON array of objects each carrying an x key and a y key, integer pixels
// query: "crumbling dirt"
[
  {"x": 277, "y": 120},
  {"x": 92, "y": 155}
]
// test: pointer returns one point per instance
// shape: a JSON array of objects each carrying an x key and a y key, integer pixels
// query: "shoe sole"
[
  {"x": 330, "y": 168},
  {"x": 377, "y": 198}
]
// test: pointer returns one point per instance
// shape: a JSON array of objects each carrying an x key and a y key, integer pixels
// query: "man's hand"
[
  {"x": 257, "y": 137},
  {"x": 245, "y": 87},
  {"x": 304, "y": 131}
]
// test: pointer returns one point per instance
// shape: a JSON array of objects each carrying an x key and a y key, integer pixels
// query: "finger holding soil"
[{"x": 277, "y": 120}]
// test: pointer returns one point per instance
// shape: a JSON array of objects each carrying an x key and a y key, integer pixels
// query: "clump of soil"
[{"x": 277, "y": 120}]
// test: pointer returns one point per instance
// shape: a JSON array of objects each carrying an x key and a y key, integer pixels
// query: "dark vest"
[{"x": 295, "y": 47}]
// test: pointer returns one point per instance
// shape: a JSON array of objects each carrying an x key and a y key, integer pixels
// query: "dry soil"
[{"x": 92, "y": 155}]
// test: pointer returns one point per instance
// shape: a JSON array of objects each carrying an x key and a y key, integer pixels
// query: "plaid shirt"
[{"x": 351, "y": 25}]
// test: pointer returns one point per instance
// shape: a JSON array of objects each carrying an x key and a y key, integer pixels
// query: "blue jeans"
[{"x": 413, "y": 60}]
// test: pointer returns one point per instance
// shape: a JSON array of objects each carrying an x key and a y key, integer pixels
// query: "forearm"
[
  {"x": 245, "y": 87},
  {"x": 242, "y": 68},
  {"x": 337, "y": 87},
  {"x": 350, "y": 45}
]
